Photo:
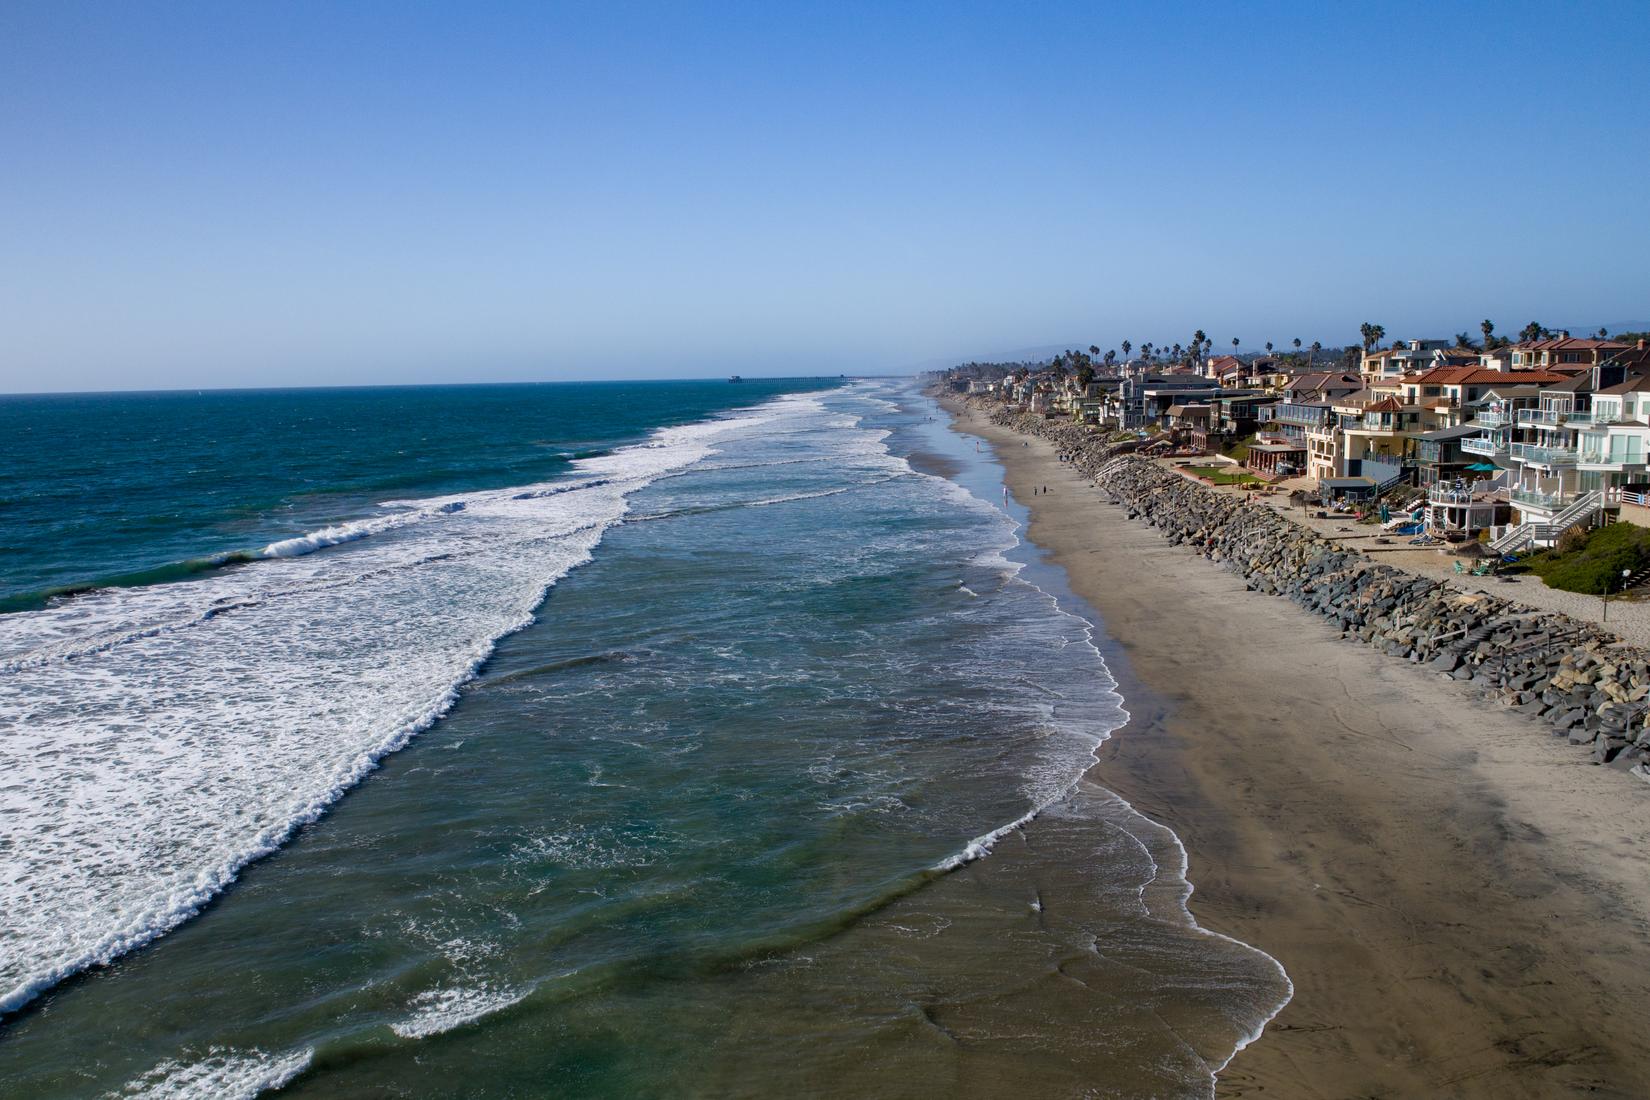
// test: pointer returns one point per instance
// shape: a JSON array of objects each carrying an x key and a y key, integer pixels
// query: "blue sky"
[{"x": 295, "y": 193}]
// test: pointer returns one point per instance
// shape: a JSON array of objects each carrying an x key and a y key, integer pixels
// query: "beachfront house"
[
  {"x": 1407, "y": 357},
  {"x": 1565, "y": 351},
  {"x": 1551, "y": 489}
]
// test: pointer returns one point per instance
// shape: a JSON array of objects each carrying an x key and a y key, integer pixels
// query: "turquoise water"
[{"x": 599, "y": 735}]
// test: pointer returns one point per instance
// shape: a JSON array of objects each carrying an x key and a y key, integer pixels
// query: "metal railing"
[
  {"x": 1547, "y": 418},
  {"x": 1490, "y": 419},
  {"x": 1536, "y": 499},
  {"x": 1611, "y": 458},
  {"x": 1544, "y": 456},
  {"x": 1483, "y": 445}
]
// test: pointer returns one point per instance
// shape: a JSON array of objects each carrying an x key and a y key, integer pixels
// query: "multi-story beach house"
[
  {"x": 1565, "y": 351},
  {"x": 1409, "y": 357},
  {"x": 1551, "y": 488}
]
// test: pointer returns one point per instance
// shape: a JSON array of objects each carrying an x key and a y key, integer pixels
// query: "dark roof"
[
  {"x": 1580, "y": 383},
  {"x": 1639, "y": 384},
  {"x": 1346, "y": 483},
  {"x": 1453, "y": 433}
]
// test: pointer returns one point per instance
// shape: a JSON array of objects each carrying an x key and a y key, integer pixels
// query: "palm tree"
[
  {"x": 1317, "y": 346},
  {"x": 1126, "y": 347},
  {"x": 1268, "y": 347},
  {"x": 1364, "y": 330},
  {"x": 1377, "y": 333},
  {"x": 1297, "y": 345},
  {"x": 1487, "y": 327},
  {"x": 1462, "y": 340},
  {"x": 1234, "y": 345},
  {"x": 1531, "y": 332},
  {"x": 1094, "y": 351},
  {"x": 1111, "y": 357}
]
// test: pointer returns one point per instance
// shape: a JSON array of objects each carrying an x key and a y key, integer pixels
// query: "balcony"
[
  {"x": 1483, "y": 445},
  {"x": 1310, "y": 418},
  {"x": 1543, "y": 456},
  {"x": 1552, "y": 418},
  {"x": 1534, "y": 498},
  {"x": 1440, "y": 495},
  {"x": 1374, "y": 424},
  {"x": 1614, "y": 460},
  {"x": 1493, "y": 419}
]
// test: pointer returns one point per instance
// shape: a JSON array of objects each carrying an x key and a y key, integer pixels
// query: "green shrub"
[
  {"x": 1594, "y": 562},
  {"x": 1572, "y": 541}
]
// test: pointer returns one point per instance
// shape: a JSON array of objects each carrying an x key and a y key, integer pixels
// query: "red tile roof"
[
  {"x": 1572, "y": 343},
  {"x": 1480, "y": 376}
]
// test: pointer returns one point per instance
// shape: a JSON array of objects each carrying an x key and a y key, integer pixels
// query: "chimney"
[{"x": 1641, "y": 343}]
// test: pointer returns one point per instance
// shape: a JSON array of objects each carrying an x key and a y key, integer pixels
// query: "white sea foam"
[
  {"x": 1124, "y": 815},
  {"x": 155, "y": 740},
  {"x": 218, "y": 1075},
  {"x": 439, "y": 1010}
]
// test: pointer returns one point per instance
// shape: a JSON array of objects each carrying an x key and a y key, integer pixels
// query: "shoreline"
[{"x": 1460, "y": 902}]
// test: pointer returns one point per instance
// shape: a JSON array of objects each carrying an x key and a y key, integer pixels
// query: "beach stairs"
[
  {"x": 1637, "y": 583},
  {"x": 1495, "y": 667},
  {"x": 1580, "y": 511}
]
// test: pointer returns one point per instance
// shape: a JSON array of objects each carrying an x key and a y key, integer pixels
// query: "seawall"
[{"x": 1579, "y": 681}]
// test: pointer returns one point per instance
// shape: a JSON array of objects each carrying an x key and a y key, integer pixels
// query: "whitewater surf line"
[{"x": 157, "y": 740}]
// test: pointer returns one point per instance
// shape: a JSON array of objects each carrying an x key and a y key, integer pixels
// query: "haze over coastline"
[
  {"x": 946, "y": 551},
  {"x": 311, "y": 194}
]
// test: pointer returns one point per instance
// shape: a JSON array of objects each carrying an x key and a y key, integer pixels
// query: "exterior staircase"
[{"x": 1579, "y": 511}]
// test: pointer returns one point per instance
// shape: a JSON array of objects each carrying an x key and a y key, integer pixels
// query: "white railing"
[
  {"x": 1543, "y": 456},
  {"x": 1548, "y": 418},
  {"x": 1610, "y": 458},
  {"x": 1474, "y": 493},
  {"x": 1491, "y": 419},
  {"x": 1482, "y": 445},
  {"x": 1536, "y": 498}
]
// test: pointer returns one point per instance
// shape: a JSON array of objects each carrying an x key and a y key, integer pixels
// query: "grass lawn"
[{"x": 1222, "y": 475}]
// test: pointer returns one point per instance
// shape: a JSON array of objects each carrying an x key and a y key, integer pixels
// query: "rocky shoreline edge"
[{"x": 1581, "y": 682}]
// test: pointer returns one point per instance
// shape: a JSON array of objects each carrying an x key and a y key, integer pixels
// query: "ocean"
[{"x": 654, "y": 739}]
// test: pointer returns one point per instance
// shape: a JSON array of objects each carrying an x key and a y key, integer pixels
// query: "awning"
[{"x": 1484, "y": 467}]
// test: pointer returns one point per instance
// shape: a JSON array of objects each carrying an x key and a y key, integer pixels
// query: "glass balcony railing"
[
  {"x": 1483, "y": 445},
  {"x": 1543, "y": 456},
  {"x": 1537, "y": 499},
  {"x": 1490, "y": 419},
  {"x": 1550, "y": 418},
  {"x": 1610, "y": 458}
]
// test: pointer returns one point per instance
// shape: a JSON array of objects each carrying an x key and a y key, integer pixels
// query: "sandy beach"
[{"x": 1460, "y": 899}]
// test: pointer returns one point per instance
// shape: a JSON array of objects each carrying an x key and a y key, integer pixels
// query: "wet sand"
[{"x": 1461, "y": 901}]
